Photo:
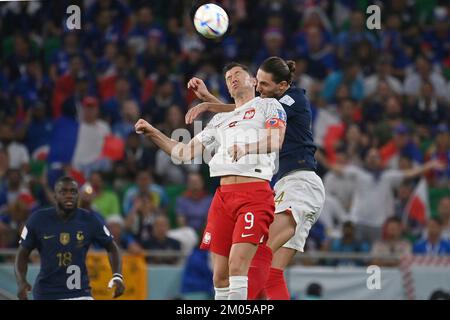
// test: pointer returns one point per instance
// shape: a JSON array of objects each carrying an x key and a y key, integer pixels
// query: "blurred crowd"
[{"x": 380, "y": 100}]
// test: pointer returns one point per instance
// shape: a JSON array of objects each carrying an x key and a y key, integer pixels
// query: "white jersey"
[{"x": 245, "y": 124}]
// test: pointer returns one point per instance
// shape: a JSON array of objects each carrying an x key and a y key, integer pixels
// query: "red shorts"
[{"x": 239, "y": 213}]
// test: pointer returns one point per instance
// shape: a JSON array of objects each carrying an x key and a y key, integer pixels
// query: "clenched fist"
[{"x": 143, "y": 127}]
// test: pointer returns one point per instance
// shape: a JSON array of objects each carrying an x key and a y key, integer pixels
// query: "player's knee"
[
  {"x": 238, "y": 265},
  {"x": 220, "y": 280}
]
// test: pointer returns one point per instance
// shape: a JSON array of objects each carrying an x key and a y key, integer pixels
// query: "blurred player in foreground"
[
  {"x": 242, "y": 210},
  {"x": 62, "y": 235},
  {"x": 299, "y": 190}
]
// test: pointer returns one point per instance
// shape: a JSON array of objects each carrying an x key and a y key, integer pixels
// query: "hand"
[
  {"x": 143, "y": 127},
  {"x": 194, "y": 112},
  {"x": 119, "y": 286},
  {"x": 237, "y": 151},
  {"x": 434, "y": 164},
  {"x": 198, "y": 86},
  {"x": 23, "y": 289}
]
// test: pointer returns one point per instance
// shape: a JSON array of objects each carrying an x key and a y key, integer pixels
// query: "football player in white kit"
[
  {"x": 245, "y": 141},
  {"x": 300, "y": 193}
]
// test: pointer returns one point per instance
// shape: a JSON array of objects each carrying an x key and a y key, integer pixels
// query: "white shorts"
[
  {"x": 80, "y": 298},
  {"x": 303, "y": 194}
]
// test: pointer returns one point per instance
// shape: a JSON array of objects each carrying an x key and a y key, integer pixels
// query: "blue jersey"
[
  {"x": 62, "y": 246},
  {"x": 298, "y": 148}
]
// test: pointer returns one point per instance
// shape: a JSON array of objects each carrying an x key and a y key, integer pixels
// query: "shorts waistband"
[{"x": 245, "y": 186}]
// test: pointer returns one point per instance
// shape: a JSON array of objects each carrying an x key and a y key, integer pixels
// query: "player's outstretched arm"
[
  {"x": 20, "y": 270},
  {"x": 178, "y": 150},
  {"x": 417, "y": 171},
  {"x": 116, "y": 267}
]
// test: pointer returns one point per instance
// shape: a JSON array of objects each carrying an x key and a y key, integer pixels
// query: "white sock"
[
  {"x": 238, "y": 288},
  {"x": 221, "y": 293}
]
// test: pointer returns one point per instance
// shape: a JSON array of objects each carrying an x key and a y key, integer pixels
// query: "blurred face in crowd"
[
  {"x": 122, "y": 87},
  {"x": 346, "y": 109},
  {"x": 383, "y": 90},
  {"x": 6, "y": 133},
  {"x": 165, "y": 89},
  {"x": 239, "y": 81},
  {"x": 19, "y": 211},
  {"x": 130, "y": 110},
  {"x": 444, "y": 208},
  {"x": 104, "y": 19},
  {"x": 314, "y": 38},
  {"x": 70, "y": 42},
  {"x": 393, "y": 107},
  {"x": 195, "y": 182},
  {"x": 434, "y": 229},
  {"x": 342, "y": 92},
  {"x": 161, "y": 227},
  {"x": 373, "y": 160},
  {"x": 443, "y": 141},
  {"x": 4, "y": 160},
  {"x": 357, "y": 21},
  {"x": 405, "y": 163},
  {"x": 427, "y": 90},
  {"x": 145, "y": 16},
  {"x": 401, "y": 139},
  {"x": 348, "y": 231},
  {"x": 20, "y": 46},
  {"x": 96, "y": 181},
  {"x": 143, "y": 181},
  {"x": 423, "y": 67},
  {"x": 393, "y": 230},
  {"x": 14, "y": 179},
  {"x": 174, "y": 117},
  {"x": 90, "y": 114}
]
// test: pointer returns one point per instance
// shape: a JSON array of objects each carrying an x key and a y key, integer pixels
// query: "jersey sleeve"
[
  {"x": 275, "y": 116},
  {"x": 101, "y": 233},
  {"x": 208, "y": 135},
  {"x": 28, "y": 236}
]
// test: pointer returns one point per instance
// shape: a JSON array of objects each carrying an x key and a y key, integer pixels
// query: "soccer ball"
[{"x": 211, "y": 21}]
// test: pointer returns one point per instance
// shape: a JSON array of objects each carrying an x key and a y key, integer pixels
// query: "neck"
[
  {"x": 63, "y": 214},
  {"x": 433, "y": 239},
  {"x": 243, "y": 98}
]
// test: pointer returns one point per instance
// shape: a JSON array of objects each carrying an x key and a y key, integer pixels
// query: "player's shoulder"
[
  {"x": 87, "y": 215},
  {"x": 292, "y": 96},
  {"x": 41, "y": 216},
  {"x": 268, "y": 102}
]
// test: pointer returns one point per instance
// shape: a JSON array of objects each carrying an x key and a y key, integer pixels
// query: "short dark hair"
[
  {"x": 233, "y": 64},
  {"x": 64, "y": 179},
  {"x": 280, "y": 69}
]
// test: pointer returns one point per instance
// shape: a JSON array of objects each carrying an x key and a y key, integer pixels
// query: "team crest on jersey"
[
  {"x": 249, "y": 114},
  {"x": 80, "y": 236},
  {"x": 207, "y": 238},
  {"x": 64, "y": 238}
]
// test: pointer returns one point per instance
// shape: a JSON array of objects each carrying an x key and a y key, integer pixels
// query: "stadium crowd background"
[{"x": 69, "y": 101}]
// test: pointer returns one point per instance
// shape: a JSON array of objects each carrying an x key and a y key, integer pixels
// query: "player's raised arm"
[
  {"x": 178, "y": 150},
  {"x": 210, "y": 102},
  {"x": 20, "y": 270}
]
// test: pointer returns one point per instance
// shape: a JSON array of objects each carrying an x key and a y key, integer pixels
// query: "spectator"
[
  {"x": 160, "y": 241},
  {"x": 350, "y": 76},
  {"x": 444, "y": 216},
  {"x": 374, "y": 189},
  {"x": 428, "y": 110},
  {"x": 384, "y": 73},
  {"x": 129, "y": 111},
  {"x": 19, "y": 157},
  {"x": 333, "y": 216},
  {"x": 192, "y": 207},
  {"x": 91, "y": 136},
  {"x": 138, "y": 157},
  {"x": 433, "y": 244},
  {"x": 440, "y": 150},
  {"x": 388, "y": 251},
  {"x": 104, "y": 201},
  {"x": 348, "y": 243},
  {"x": 197, "y": 275},
  {"x": 144, "y": 184},
  {"x": 423, "y": 72},
  {"x": 115, "y": 225},
  {"x": 140, "y": 219},
  {"x": 13, "y": 188}
]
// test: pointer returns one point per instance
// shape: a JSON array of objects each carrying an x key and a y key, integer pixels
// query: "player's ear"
[{"x": 254, "y": 81}]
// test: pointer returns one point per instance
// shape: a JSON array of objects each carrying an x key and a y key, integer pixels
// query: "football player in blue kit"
[
  {"x": 300, "y": 193},
  {"x": 62, "y": 235}
]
